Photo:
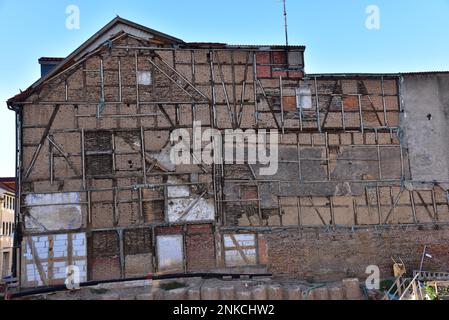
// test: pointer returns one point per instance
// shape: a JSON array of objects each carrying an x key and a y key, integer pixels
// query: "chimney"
[{"x": 48, "y": 63}]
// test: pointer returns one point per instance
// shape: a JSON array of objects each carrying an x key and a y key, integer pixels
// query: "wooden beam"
[
  {"x": 42, "y": 141},
  {"x": 239, "y": 249}
]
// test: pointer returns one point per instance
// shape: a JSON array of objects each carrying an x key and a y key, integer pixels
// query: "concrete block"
[
  {"x": 227, "y": 293},
  {"x": 145, "y": 296},
  {"x": 194, "y": 294},
  {"x": 158, "y": 294},
  {"x": 210, "y": 293},
  {"x": 293, "y": 294},
  {"x": 321, "y": 294},
  {"x": 244, "y": 294},
  {"x": 275, "y": 292},
  {"x": 113, "y": 296},
  {"x": 352, "y": 289},
  {"x": 336, "y": 293},
  {"x": 260, "y": 293}
]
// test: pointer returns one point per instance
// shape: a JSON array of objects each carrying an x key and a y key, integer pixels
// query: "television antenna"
[{"x": 285, "y": 21}]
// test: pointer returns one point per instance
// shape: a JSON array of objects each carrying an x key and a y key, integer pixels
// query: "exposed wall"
[
  {"x": 425, "y": 100},
  {"x": 318, "y": 255},
  {"x": 96, "y": 146}
]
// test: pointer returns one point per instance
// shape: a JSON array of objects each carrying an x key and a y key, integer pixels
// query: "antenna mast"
[{"x": 285, "y": 22}]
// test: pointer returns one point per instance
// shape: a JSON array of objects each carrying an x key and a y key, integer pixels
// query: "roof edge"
[{"x": 25, "y": 94}]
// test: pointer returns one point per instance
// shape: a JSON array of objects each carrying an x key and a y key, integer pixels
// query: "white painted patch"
[
  {"x": 144, "y": 78},
  {"x": 53, "y": 212},
  {"x": 170, "y": 253},
  {"x": 304, "y": 97},
  {"x": 185, "y": 206},
  {"x": 163, "y": 159}
]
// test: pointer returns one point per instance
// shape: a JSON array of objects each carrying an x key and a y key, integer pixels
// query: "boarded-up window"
[
  {"x": 98, "y": 148},
  {"x": 170, "y": 253},
  {"x": 240, "y": 249}
]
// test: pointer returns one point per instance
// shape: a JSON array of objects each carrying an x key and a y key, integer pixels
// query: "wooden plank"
[
  {"x": 239, "y": 249},
  {"x": 316, "y": 210},
  {"x": 63, "y": 154},
  {"x": 425, "y": 205},
  {"x": 394, "y": 205},
  {"x": 70, "y": 249},
  {"x": 42, "y": 141},
  {"x": 50, "y": 262},
  {"x": 37, "y": 261},
  {"x": 161, "y": 108},
  {"x": 269, "y": 104}
]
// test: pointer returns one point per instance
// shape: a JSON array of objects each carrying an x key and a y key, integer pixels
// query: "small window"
[
  {"x": 304, "y": 98},
  {"x": 170, "y": 253},
  {"x": 240, "y": 249},
  {"x": 144, "y": 78}
]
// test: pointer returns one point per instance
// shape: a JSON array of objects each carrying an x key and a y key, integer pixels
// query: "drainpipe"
[{"x": 17, "y": 248}]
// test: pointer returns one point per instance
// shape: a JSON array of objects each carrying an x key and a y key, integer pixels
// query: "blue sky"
[{"x": 413, "y": 35}]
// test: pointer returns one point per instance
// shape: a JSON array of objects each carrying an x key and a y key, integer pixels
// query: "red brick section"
[
  {"x": 267, "y": 62},
  {"x": 263, "y": 58},
  {"x": 322, "y": 256},
  {"x": 165, "y": 231},
  {"x": 296, "y": 74},
  {"x": 200, "y": 248},
  {"x": 105, "y": 268},
  {"x": 277, "y": 74},
  {"x": 351, "y": 103},
  {"x": 249, "y": 193},
  {"x": 289, "y": 103},
  {"x": 104, "y": 258},
  {"x": 263, "y": 250},
  {"x": 264, "y": 72},
  {"x": 279, "y": 57}
]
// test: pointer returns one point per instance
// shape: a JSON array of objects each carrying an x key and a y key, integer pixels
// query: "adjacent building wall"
[
  {"x": 425, "y": 99},
  {"x": 6, "y": 232}
]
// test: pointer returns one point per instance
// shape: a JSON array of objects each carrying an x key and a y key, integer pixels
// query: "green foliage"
[
  {"x": 172, "y": 285},
  {"x": 98, "y": 291},
  {"x": 431, "y": 293}
]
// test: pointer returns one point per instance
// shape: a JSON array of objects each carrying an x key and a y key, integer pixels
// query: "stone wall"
[{"x": 322, "y": 256}]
